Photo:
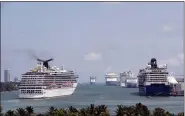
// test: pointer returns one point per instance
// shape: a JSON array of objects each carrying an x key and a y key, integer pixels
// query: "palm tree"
[
  {"x": 21, "y": 112},
  {"x": 142, "y": 109},
  {"x": 127, "y": 111},
  {"x": 29, "y": 110},
  {"x": 0, "y": 109},
  {"x": 180, "y": 114},
  {"x": 52, "y": 111},
  {"x": 159, "y": 112},
  {"x": 101, "y": 110},
  {"x": 72, "y": 109},
  {"x": 64, "y": 110},
  {"x": 83, "y": 112},
  {"x": 91, "y": 109},
  {"x": 121, "y": 110},
  {"x": 41, "y": 114},
  {"x": 60, "y": 112},
  {"x": 169, "y": 114},
  {"x": 1, "y": 114},
  {"x": 10, "y": 113}
]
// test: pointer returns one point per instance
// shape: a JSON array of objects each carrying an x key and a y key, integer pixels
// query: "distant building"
[
  {"x": 15, "y": 79},
  {"x": 6, "y": 75}
]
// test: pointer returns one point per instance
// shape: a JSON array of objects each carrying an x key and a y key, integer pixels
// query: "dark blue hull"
[
  {"x": 155, "y": 90},
  {"x": 112, "y": 83}
]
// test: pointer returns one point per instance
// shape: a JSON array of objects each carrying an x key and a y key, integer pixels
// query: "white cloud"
[
  {"x": 93, "y": 56},
  {"x": 167, "y": 28},
  {"x": 174, "y": 61}
]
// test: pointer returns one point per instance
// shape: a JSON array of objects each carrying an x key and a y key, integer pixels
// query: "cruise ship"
[
  {"x": 111, "y": 79},
  {"x": 92, "y": 80},
  {"x": 131, "y": 81},
  {"x": 128, "y": 80},
  {"x": 153, "y": 80},
  {"x": 122, "y": 79},
  {"x": 45, "y": 81}
]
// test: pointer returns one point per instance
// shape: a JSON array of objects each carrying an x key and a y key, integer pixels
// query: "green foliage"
[
  {"x": 1, "y": 114},
  {"x": 52, "y": 111},
  {"x": 180, "y": 114},
  {"x": 8, "y": 86},
  {"x": 0, "y": 109},
  {"x": 142, "y": 110},
  {"x": 21, "y": 112},
  {"x": 92, "y": 110},
  {"x": 29, "y": 110},
  {"x": 10, "y": 113},
  {"x": 161, "y": 112}
]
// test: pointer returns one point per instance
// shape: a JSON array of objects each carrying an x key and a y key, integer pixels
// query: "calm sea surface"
[{"x": 97, "y": 94}]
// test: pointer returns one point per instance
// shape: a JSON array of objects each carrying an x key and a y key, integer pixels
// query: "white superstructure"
[
  {"x": 111, "y": 79},
  {"x": 127, "y": 79},
  {"x": 43, "y": 82},
  {"x": 123, "y": 79},
  {"x": 92, "y": 80}
]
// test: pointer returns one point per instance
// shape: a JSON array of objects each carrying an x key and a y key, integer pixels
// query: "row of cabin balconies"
[
  {"x": 43, "y": 83},
  {"x": 31, "y": 91},
  {"x": 67, "y": 75}
]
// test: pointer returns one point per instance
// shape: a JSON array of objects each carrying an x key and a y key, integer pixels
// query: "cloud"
[
  {"x": 174, "y": 61},
  {"x": 167, "y": 28},
  {"x": 93, "y": 56}
]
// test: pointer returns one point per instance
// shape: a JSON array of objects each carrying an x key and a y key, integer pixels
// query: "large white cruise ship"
[
  {"x": 92, "y": 80},
  {"x": 111, "y": 79},
  {"x": 122, "y": 79},
  {"x": 131, "y": 81},
  {"x": 45, "y": 81},
  {"x": 127, "y": 79},
  {"x": 153, "y": 80}
]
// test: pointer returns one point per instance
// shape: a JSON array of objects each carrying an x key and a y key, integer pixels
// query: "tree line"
[
  {"x": 9, "y": 86},
  {"x": 92, "y": 110}
]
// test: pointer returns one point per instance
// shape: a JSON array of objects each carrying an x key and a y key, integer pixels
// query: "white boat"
[
  {"x": 122, "y": 79},
  {"x": 111, "y": 79},
  {"x": 92, "y": 80},
  {"x": 128, "y": 80},
  {"x": 44, "y": 82}
]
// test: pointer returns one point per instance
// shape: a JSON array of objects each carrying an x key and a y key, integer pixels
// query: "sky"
[{"x": 91, "y": 38}]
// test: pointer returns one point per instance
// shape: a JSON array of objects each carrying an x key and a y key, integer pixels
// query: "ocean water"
[{"x": 97, "y": 94}]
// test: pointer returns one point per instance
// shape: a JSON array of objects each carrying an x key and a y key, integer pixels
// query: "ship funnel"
[
  {"x": 153, "y": 63},
  {"x": 45, "y": 62}
]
